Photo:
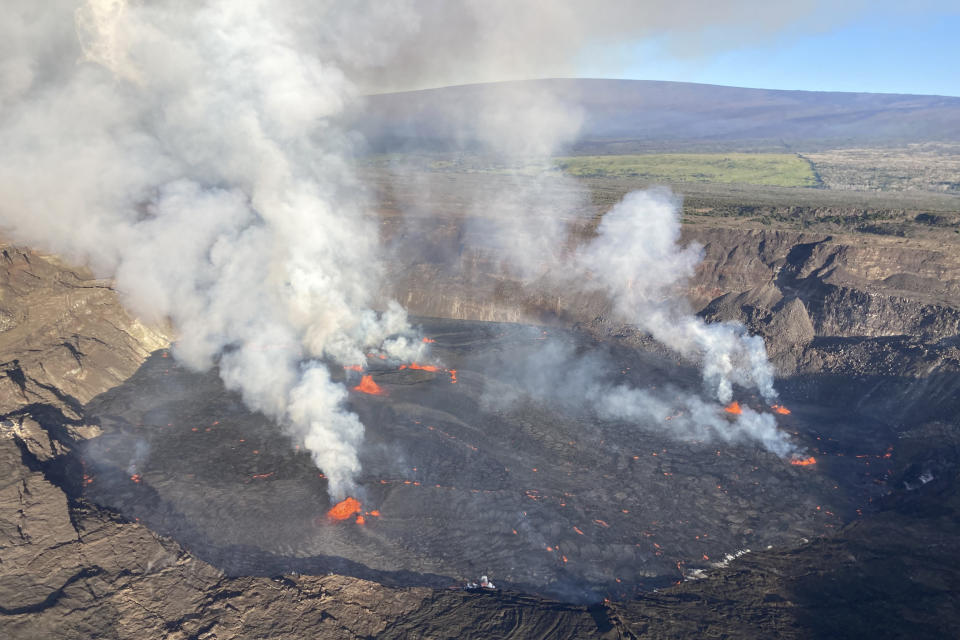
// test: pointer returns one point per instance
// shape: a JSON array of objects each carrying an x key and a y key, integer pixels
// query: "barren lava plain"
[{"x": 457, "y": 483}]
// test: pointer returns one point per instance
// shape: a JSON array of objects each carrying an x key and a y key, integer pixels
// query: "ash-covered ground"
[{"x": 465, "y": 474}]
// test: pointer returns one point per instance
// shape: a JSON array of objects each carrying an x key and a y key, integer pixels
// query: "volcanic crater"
[{"x": 464, "y": 474}]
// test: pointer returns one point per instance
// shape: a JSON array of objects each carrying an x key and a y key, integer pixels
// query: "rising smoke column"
[
  {"x": 193, "y": 150},
  {"x": 636, "y": 258},
  {"x": 191, "y": 153}
]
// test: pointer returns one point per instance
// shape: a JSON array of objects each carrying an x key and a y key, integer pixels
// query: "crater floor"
[{"x": 542, "y": 499}]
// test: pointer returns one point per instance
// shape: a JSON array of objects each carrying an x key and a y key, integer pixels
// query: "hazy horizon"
[{"x": 659, "y": 80}]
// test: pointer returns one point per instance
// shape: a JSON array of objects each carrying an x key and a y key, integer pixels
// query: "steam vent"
[
  {"x": 457, "y": 481},
  {"x": 329, "y": 320}
]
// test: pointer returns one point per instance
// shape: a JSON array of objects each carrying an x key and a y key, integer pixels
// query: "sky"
[{"x": 895, "y": 52}]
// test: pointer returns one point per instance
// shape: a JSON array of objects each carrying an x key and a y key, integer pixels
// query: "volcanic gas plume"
[
  {"x": 200, "y": 153},
  {"x": 559, "y": 374},
  {"x": 637, "y": 258},
  {"x": 559, "y": 492},
  {"x": 189, "y": 164}
]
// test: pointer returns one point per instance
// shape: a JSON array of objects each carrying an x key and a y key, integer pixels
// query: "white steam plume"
[
  {"x": 193, "y": 150},
  {"x": 637, "y": 259},
  {"x": 553, "y": 370},
  {"x": 686, "y": 415},
  {"x": 191, "y": 154}
]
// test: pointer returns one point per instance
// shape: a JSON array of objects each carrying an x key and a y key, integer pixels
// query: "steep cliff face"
[
  {"x": 851, "y": 286},
  {"x": 882, "y": 312},
  {"x": 869, "y": 321},
  {"x": 65, "y": 338},
  {"x": 791, "y": 287},
  {"x": 878, "y": 310}
]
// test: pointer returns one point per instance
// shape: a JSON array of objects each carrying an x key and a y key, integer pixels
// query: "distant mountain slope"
[{"x": 626, "y": 115}]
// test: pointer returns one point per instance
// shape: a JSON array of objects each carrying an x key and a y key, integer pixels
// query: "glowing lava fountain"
[
  {"x": 367, "y": 385},
  {"x": 345, "y": 509}
]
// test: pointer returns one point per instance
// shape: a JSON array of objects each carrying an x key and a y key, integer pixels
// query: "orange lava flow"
[
  {"x": 135, "y": 477},
  {"x": 367, "y": 385},
  {"x": 734, "y": 408},
  {"x": 803, "y": 462},
  {"x": 345, "y": 508},
  {"x": 424, "y": 367},
  {"x": 375, "y": 513},
  {"x": 782, "y": 410},
  {"x": 353, "y": 367},
  {"x": 430, "y": 367},
  {"x": 360, "y": 519},
  {"x": 428, "y": 340}
]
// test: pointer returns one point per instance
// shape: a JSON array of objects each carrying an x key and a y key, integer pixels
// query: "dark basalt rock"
[{"x": 884, "y": 347}]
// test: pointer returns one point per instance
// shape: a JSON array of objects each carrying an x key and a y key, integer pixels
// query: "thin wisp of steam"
[{"x": 553, "y": 370}]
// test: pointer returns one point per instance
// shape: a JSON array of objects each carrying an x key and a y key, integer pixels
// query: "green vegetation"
[
  {"x": 770, "y": 169},
  {"x": 762, "y": 169}
]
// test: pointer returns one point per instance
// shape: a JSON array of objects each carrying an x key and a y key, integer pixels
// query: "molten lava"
[
  {"x": 424, "y": 367},
  {"x": 353, "y": 367},
  {"x": 782, "y": 410},
  {"x": 733, "y": 408},
  {"x": 345, "y": 508},
  {"x": 428, "y": 340},
  {"x": 803, "y": 462},
  {"x": 367, "y": 385}
]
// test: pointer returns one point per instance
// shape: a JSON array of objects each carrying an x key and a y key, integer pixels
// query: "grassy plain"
[
  {"x": 767, "y": 169},
  {"x": 762, "y": 169}
]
